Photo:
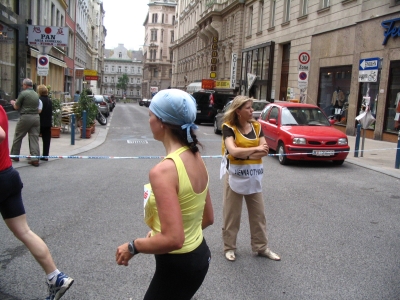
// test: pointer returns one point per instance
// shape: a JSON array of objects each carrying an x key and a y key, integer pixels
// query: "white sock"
[{"x": 53, "y": 275}]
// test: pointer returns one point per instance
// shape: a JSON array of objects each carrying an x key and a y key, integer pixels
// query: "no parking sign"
[{"x": 42, "y": 65}]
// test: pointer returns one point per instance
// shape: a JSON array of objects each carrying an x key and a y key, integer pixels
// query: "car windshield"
[
  {"x": 304, "y": 116},
  {"x": 98, "y": 98},
  {"x": 257, "y": 106}
]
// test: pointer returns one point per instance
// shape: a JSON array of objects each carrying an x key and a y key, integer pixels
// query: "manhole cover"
[{"x": 137, "y": 142}]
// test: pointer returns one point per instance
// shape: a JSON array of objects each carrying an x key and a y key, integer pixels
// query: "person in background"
[
  {"x": 13, "y": 212},
  {"x": 177, "y": 203},
  {"x": 45, "y": 120},
  {"x": 76, "y": 96},
  {"x": 29, "y": 121},
  {"x": 243, "y": 148}
]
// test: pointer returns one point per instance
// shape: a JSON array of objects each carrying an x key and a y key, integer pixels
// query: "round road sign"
[
  {"x": 303, "y": 76},
  {"x": 43, "y": 61},
  {"x": 304, "y": 58}
]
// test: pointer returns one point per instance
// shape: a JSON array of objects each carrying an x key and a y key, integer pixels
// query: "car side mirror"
[{"x": 272, "y": 121}]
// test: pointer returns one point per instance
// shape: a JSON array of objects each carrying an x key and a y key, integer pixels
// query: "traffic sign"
[
  {"x": 369, "y": 64},
  {"x": 42, "y": 65},
  {"x": 304, "y": 60}
]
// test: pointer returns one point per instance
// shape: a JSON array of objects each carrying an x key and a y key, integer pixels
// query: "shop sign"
[
  {"x": 42, "y": 65},
  {"x": 304, "y": 60},
  {"x": 222, "y": 84},
  {"x": 368, "y": 69},
  {"x": 391, "y": 30},
  {"x": 6, "y": 34},
  {"x": 233, "y": 70},
  {"x": 207, "y": 84},
  {"x": 79, "y": 74},
  {"x": 48, "y": 36},
  {"x": 214, "y": 55},
  {"x": 90, "y": 72},
  {"x": 87, "y": 78}
]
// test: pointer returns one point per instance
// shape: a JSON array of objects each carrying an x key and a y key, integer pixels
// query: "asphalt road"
[{"x": 337, "y": 229}]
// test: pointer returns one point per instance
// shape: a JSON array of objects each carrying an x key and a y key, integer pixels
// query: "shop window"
[
  {"x": 393, "y": 98},
  {"x": 331, "y": 80}
]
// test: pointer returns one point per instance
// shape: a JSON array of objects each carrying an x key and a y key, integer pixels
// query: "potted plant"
[{"x": 56, "y": 118}]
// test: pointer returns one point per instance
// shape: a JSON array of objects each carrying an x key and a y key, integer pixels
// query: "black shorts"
[
  {"x": 179, "y": 276},
  {"x": 11, "y": 204}
]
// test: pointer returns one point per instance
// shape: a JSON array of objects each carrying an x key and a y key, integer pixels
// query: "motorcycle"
[{"x": 100, "y": 117}]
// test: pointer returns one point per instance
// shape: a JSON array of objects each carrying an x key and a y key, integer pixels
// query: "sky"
[{"x": 124, "y": 20}]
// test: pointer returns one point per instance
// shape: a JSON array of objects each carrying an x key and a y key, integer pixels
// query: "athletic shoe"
[{"x": 61, "y": 285}]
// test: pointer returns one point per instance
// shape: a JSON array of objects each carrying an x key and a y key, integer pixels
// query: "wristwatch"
[{"x": 132, "y": 249}]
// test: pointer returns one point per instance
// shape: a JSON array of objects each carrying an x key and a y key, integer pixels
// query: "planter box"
[
  {"x": 55, "y": 132},
  {"x": 88, "y": 132}
]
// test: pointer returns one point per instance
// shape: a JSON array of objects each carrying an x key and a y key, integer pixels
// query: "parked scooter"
[{"x": 100, "y": 117}]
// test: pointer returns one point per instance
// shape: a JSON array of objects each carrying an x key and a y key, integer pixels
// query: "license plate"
[
  {"x": 323, "y": 152},
  {"x": 198, "y": 111}
]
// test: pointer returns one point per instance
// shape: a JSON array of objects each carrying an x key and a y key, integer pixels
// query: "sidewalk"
[
  {"x": 60, "y": 146},
  {"x": 378, "y": 155}
]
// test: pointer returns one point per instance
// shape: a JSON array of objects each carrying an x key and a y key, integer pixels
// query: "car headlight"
[
  {"x": 342, "y": 141},
  {"x": 299, "y": 141}
]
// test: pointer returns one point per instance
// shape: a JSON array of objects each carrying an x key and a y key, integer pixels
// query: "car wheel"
[
  {"x": 338, "y": 162},
  {"x": 216, "y": 130},
  {"x": 282, "y": 154}
]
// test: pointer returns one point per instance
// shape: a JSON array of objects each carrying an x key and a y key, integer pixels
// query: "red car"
[{"x": 298, "y": 131}]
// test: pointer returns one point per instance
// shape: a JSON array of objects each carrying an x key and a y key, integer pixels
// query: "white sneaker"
[
  {"x": 269, "y": 254},
  {"x": 230, "y": 255}
]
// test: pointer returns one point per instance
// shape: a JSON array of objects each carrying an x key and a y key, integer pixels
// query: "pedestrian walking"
[
  {"x": 45, "y": 120},
  {"x": 29, "y": 121},
  {"x": 243, "y": 147},
  {"x": 76, "y": 96},
  {"x": 177, "y": 203},
  {"x": 13, "y": 212}
]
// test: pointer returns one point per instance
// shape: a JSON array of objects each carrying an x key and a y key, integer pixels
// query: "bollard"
[
  {"x": 83, "y": 131},
  {"x": 397, "y": 164},
  {"x": 357, "y": 146},
  {"x": 73, "y": 129}
]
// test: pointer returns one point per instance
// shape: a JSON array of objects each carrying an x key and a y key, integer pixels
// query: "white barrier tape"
[{"x": 161, "y": 157}]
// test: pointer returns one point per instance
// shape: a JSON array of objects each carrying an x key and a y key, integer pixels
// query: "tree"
[{"x": 123, "y": 83}]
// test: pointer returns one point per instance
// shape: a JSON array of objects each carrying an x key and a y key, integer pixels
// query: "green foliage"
[
  {"x": 123, "y": 82},
  {"x": 86, "y": 103},
  {"x": 57, "y": 112}
]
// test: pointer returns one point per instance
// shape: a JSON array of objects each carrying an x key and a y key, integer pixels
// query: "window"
[
  {"x": 105, "y": 79},
  {"x": 119, "y": 69},
  {"x": 112, "y": 79},
  {"x": 126, "y": 69},
  {"x": 304, "y": 8},
  {"x": 170, "y": 73},
  {"x": 153, "y": 35},
  {"x": 112, "y": 69},
  {"x": 138, "y": 69},
  {"x": 324, "y": 3},
  {"x": 250, "y": 20},
  {"x": 138, "y": 80},
  {"x": 154, "y": 18},
  {"x": 171, "y": 56},
  {"x": 131, "y": 80},
  {"x": 287, "y": 11},
  {"x": 162, "y": 35},
  {"x": 161, "y": 54},
  {"x": 120, "y": 55},
  {"x": 155, "y": 73},
  {"x": 173, "y": 20},
  {"x": 272, "y": 13},
  {"x": 162, "y": 19},
  {"x": 138, "y": 93},
  {"x": 232, "y": 27},
  {"x": 260, "y": 15},
  {"x": 172, "y": 36},
  {"x": 132, "y": 69}
]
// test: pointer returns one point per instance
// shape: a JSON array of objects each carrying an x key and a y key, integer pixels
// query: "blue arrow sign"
[{"x": 369, "y": 63}]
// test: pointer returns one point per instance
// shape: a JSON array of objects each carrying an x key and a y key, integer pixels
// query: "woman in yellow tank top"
[{"x": 177, "y": 203}]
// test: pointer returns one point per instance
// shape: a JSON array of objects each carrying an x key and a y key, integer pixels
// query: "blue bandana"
[{"x": 175, "y": 107}]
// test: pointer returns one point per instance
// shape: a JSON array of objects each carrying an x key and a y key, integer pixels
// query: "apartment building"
[
  {"x": 119, "y": 61},
  {"x": 159, "y": 34},
  {"x": 274, "y": 40}
]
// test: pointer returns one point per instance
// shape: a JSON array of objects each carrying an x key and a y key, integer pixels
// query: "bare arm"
[
  {"x": 208, "y": 213},
  {"x": 2, "y": 134},
  {"x": 243, "y": 153}
]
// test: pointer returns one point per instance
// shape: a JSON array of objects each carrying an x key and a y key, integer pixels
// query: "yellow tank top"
[{"x": 192, "y": 207}]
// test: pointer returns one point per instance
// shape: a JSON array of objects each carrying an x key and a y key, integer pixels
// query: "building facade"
[
  {"x": 274, "y": 39},
  {"x": 120, "y": 61},
  {"x": 159, "y": 34}
]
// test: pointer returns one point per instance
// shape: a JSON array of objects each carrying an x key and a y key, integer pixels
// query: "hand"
[
  {"x": 263, "y": 148},
  {"x": 148, "y": 234},
  {"x": 12, "y": 102},
  {"x": 123, "y": 255}
]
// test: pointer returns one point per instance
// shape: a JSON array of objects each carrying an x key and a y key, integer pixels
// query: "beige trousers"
[
  {"x": 27, "y": 124},
  {"x": 232, "y": 210}
]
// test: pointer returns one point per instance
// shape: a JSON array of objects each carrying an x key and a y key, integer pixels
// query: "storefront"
[
  {"x": 338, "y": 65},
  {"x": 256, "y": 72}
]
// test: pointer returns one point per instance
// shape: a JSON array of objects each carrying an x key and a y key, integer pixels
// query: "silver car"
[
  {"x": 258, "y": 106},
  {"x": 102, "y": 104}
]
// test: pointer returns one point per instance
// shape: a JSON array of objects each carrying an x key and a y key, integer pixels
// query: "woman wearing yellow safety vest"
[{"x": 243, "y": 147}]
